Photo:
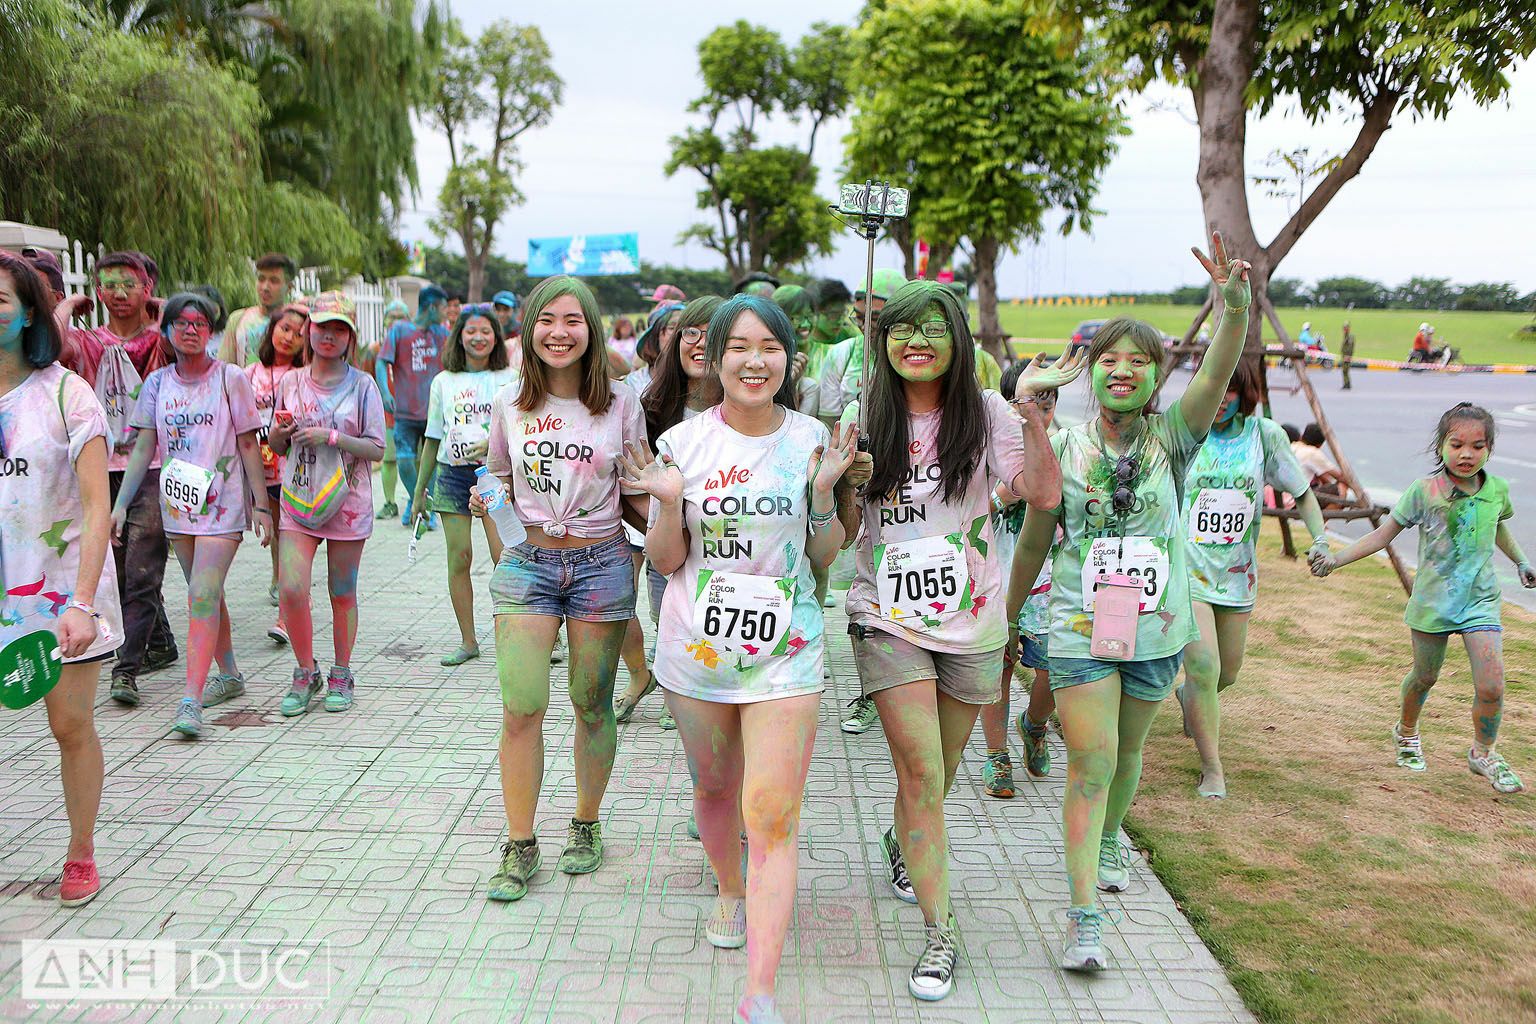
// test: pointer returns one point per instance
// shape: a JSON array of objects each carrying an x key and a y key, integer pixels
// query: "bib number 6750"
[{"x": 743, "y": 623}]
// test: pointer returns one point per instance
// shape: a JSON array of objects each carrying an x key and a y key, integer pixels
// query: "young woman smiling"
[
  {"x": 743, "y": 506},
  {"x": 926, "y": 603},
  {"x": 556, "y": 438},
  {"x": 1121, "y": 475},
  {"x": 198, "y": 416},
  {"x": 280, "y": 351},
  {"x": 458, "y": 436}
]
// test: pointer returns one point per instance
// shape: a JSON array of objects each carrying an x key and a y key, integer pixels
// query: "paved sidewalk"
[{"x": 376, "y": 830}]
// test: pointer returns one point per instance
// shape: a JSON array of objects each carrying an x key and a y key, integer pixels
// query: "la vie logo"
[
  {"x": 727, "y": 477},
  {"x": 543, "y": 423}
]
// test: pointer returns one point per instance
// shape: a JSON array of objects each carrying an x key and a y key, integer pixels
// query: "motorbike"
[{"x": 1445, "y": 355}]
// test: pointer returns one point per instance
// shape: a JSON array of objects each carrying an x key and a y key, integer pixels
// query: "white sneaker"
[
  {"x": 1410, "y": 751},
  {"x": 1114, "y": 864},
  {"x": 1085, "y": 940},
  {"x": 557, "y": 653},
  {"x": 1495, "y": 769}
]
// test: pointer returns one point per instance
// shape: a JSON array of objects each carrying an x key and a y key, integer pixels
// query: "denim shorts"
[
  {"x": 885, "y": 660},
  {"x": 409, "y": 435},
  {"x": 450, "y": 489},
  {"x": 1463, "y": 630},
  {"x": 1145, "y": 680},
  {"x": 593, "y": 584},
  {"x": 1036, "y": 652}
]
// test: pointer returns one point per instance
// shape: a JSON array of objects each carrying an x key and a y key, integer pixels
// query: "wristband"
[
  {"x": 1238, "y": 309},
  {"x": 81, "y": 606},
  {"x": 332, "y": 439}
]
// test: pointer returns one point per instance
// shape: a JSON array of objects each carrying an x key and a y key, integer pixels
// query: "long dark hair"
[
  {"x": 454, "y": 360},
  {"x": 667, "y": 396},
  {"x": 40, "y": 341},
  {"x": 266, "y": 352},
  {"x": 724, "y": 321},
  {"x": 962, "y": 417},
  {"x": 596, "y": 392}
]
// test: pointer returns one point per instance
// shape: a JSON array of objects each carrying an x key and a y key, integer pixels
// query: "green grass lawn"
[{"x": 1379, "y": 333}]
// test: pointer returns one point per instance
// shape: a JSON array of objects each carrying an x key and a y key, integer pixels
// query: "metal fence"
[{"x": 79, "y": 266}]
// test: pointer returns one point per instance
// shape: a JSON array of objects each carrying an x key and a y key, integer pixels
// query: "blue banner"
[{"x": 584, "y": 255}]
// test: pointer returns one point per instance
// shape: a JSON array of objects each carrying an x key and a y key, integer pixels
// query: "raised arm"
[{"x": 1209, "y": 385}]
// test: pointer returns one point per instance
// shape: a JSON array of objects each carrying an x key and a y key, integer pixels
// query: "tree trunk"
[
  {"x": 474, "y": 260},
  {"x": 984, "y": 263},
  {"x": 938, "y": 255}
]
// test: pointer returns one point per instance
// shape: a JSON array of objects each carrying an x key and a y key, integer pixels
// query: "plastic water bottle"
[{"x": 499, "y": 507}]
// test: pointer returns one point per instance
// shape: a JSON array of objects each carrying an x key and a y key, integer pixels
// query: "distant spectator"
[
  {"x": 455, "y": 305},
  {"x": 505, "y": 305},
  {"x": 1291, "y": 432},
  {"x": 1306, "y": 339},
  {"x": 47, "y": 264},
  {"x": 757, "y": 283},
  {"x": 621, "y": 349},
  {"x": 1327, "y": 481}
]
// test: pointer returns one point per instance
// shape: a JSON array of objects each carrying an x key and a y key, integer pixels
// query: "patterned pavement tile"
[{"x": 373, "y": 834}]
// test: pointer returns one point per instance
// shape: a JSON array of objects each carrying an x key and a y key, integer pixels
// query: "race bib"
[
  {"x": 741, "y": 612},
  {"x": 1220, "y": 516},
  {"x": 920, "y": 579},
  {"x": 465, "y": 442},
  {"x": 1141, "y": 557},
  {"x": 185, "y": 487}
]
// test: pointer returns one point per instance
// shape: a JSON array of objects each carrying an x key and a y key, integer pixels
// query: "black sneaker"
[
  {"x": 934, "y": 974},
  {"x": 583, "y": 848},
  {"x": 157, "y": 658},
  {"x": 125, "y": 690},
  {"x": 900, "y": 883}
]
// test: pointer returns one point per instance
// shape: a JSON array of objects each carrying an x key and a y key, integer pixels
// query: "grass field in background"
[
  {"x": 1379, "y": 333},
  {"x": 1331, "y": 884}
]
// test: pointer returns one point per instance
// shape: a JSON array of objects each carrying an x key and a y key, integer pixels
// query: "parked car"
[{"x": 1083, "y": 335}]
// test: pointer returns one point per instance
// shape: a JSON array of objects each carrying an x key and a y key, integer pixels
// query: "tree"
[
  {"x": 994, "y": 120},
  {"x": 1425, "y": 293},
  {"x": 505, "y": 84},
  {"x": 1283, "y": 291},
  {"x": 1350, "y": 291},
  {"x": 767, "y": 213},
  {"x": 1379, "y": 61},
  {"x": 1489, "y": 295}
]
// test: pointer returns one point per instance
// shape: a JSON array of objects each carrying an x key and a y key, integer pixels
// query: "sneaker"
[
  {"x": 1037, "y": 753},
  {"x": 583, "y": 848},
  {"x": 1114, "y": 864},
  {"x": 157, "y": 658},
  {"x": 307, "y": 683},
  {"x": 727, "y": 928},
  {"x": 189, "y": 718},
  {"x": 997, "y": 775},
  {"x": 1085, "y": 940},
  {"x": 221, "y": 687},
  {"x": 557, "y": 652},
  {"x": 758, "y": 1010},
  {"x": 460, "y": 656},
  {"x": 80, "y": 883},
  {"x": 934, "y": 974},
  {"x": 272, "y": 593},
  {"x": 339, "y": 687},
  {"x": 1410, "y": 751},
  {"x": 519, "y": 862},
  {"x": 389, "y": 511},
  {"x": 125, "y": 690},
  {"x": 405, "y": 515},
  {"x": 862, "y": 714},
  {"x": 693, "y": 827},
  {"x": 278, "y": 633},
  {"x": 901, "y": 885},
  {"x": 1495, "y": 769},
  {"x": 667, "y": 721}
]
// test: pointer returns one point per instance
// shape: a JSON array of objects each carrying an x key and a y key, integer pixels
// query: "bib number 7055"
[{"x": 920, "y": 579}]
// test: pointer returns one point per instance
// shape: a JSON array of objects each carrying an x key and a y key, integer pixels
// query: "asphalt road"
[{"x": 1386, "y": 422}]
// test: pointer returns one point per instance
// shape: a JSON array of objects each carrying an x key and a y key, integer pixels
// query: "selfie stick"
[{"x": 872, "y": 203}]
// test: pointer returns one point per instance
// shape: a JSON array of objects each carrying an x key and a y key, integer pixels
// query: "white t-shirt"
[
  {"x": 563, "y": 461},
  {"x": 937, "y": 561},
  {"x": 746, "y": 506},
  {"x": 459, "y": 412}
]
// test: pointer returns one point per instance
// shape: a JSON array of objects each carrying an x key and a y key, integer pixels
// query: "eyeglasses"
[
  {"x": 693, "y": 334},
  {"x": 119, "y": 287},
  {"x": 1127, "y": 468},
  {"x": 932, "y": 329},
  {"x": 182, "y": 323}
]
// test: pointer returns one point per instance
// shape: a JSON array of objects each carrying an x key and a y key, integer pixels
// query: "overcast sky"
[{"x": 1453, "y": 198}]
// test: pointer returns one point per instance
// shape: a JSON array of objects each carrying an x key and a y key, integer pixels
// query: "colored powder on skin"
[{"x": 1123, "y": 403}]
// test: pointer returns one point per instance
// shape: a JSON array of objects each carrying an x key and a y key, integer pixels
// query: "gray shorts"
[{"x": 885, "y": 661}]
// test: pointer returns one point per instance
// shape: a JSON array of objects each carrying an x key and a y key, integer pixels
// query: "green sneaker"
[
  {"x": 1114, "y": 864},
  {"x": 862, "y": 715},
  {"x": 221, "y": 687},
  {"x": 519, "y": 862},
  {"x": 667, "y": 721},
  {"x": 997, "y": 775},
  {"x": 1410, "y": 751},
  {"x": 583, "y": 848},
  {"x": 1037, "y": 753},
  {"x": 338, "y": 695},
  {"x": 307, "y": 684},
  {"x": 189, "y": 718}
]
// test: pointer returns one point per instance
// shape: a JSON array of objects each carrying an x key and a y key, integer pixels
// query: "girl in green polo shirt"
[{"x": 1461, "y": 511}]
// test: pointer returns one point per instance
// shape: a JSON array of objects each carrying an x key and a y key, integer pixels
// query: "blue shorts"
[
  {"x": 1145, "y": 680},
  {"x": 1036, "y": 652},
  {"x": 1464, "y": 630},
  {"x": 408, "y": 437},
  {"x": 450, "y": 489},
  {"x": 593, "y": 584}
]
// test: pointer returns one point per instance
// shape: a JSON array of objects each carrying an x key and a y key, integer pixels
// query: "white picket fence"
[{"x": 370, "y": 297}]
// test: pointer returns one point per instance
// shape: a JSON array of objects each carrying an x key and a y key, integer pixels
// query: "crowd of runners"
[{"x": 743, "y": 456}]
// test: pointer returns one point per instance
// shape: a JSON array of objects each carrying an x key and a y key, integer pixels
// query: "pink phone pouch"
[{"x": 1116, "y": 603}]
